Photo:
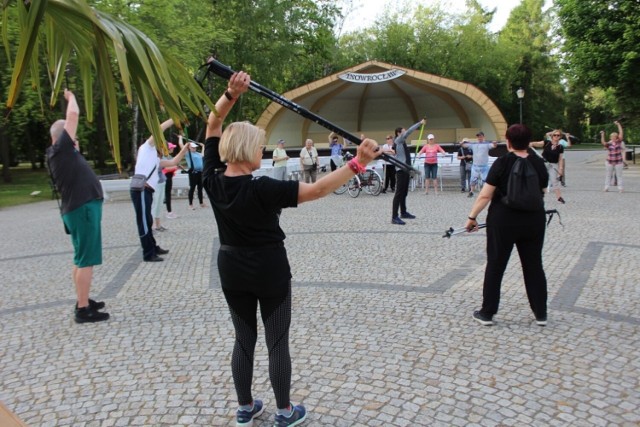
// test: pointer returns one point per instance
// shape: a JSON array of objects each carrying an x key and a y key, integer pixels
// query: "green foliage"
[{"x": 602, "y": 46}]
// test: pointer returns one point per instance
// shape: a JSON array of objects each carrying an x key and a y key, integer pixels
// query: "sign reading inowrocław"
[{"x": 372, "y": 78}]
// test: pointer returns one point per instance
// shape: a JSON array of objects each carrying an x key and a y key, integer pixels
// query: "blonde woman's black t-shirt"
[{"x": 247, "y": 208}]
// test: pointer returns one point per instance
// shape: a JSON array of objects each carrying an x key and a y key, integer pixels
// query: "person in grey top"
[
  {"x": 81, "y": 207},
  {"x": 402, "y": 177}
]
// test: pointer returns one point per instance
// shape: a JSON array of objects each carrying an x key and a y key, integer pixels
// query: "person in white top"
[
  {"x": 148, "y": 163},
  {"x": 389, "y": 169},
  {"x": 280, "y": 160}
]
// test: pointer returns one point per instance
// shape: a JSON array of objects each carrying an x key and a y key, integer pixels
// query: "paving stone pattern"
[{"x": 382, "y": 333}]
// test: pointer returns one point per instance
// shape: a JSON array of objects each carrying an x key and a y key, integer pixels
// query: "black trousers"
[
  {"x": 389, "y": 177},
  {"x": 142, "y": 205},
  {"x": 167, "y": 191},
  {"x": 529, "y": 239},
  {"x": 402, "y": 190},
  {"x": 195, "y": 181}
]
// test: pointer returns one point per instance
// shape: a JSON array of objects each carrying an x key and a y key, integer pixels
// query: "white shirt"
[{"x": 146, "y": 160}]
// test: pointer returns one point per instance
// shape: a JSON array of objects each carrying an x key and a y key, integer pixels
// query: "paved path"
[{"x": 382, "y": 331}]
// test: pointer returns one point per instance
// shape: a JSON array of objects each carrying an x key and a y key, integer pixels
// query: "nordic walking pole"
[{"x": 216, "y": 67}]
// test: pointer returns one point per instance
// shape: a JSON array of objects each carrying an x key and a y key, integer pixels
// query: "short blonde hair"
[{"x": 240, "y": 141}]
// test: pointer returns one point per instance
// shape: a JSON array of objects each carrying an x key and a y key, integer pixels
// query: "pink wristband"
[{"x": 355, "y": 166}]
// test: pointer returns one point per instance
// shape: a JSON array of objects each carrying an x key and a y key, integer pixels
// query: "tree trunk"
[{"x": 5, "y": 149}]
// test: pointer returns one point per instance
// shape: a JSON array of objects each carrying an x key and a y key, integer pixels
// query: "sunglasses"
[{"x": 556, "y": 134}]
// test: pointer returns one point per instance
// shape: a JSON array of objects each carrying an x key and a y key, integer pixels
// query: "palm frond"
[{"x": 103, "y": 45}]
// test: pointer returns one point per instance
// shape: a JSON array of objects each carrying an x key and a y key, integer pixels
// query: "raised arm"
[
  {"x": 238, "y": 84},
  {"x": 536, "y": 144},
  {"x": 73, "y": 114},
  {"x": 163, "y": 126},
  {"x": 602, "y": 141},
  {"x": 620, "y": 131}
]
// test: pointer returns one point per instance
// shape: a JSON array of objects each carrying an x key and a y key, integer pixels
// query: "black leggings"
[
  {"x": 167, "y": 191},
  {"x": 276, "y": 317},
  {"x": 195, "y": 180},
  {"x": 402, "y": 190}
]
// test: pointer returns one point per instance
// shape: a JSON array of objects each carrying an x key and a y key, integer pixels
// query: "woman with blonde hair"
[
  {"x": 252, "y": 260},
  {"x": 553, "y": 154}
]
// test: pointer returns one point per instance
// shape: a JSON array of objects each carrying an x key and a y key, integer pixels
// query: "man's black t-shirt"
[
  {"x": 74, "y": 178},
  {"x": 247, "y": 209}
]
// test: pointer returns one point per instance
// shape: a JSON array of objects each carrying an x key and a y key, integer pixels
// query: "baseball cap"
[
  {"x": 193, "y": 144},
  {"x": 171, "y": 146},
  {"x": 430, "y": 136},
  {"x": 281, "y": 141},
  {"x": 480, "y": 133}
]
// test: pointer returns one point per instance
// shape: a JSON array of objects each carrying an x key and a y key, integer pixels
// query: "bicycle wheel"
[
  {"x": 354, "y": 187},
  {"x": 375, "y": 185},
  {"x": 342, "y": 189}
]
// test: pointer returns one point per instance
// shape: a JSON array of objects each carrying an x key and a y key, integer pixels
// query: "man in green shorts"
[{"x": 81, "y": 208}]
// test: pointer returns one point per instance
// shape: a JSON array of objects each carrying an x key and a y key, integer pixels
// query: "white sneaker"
[{"x": 172, "y": 215}]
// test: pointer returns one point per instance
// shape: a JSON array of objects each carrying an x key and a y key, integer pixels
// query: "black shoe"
[
  {"x": 470, "y": 194},
  {"x": 397, "y": 221},
  {"x": 463, "y": 190},
  {"x": 93, "y": 305},
  {"x": 541, "y": 321},
  {"x": 161, "y": 251},
  {"x": 482, "y": 319},
  {"x": 88, "y": 315},
  {"x": 383, "y": 191},
  {"x": 407, "y": 215},
  {"x": 154, "y": 258},
  {"x": 561, "y": 200}
]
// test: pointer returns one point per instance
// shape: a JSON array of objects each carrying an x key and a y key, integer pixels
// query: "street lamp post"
[{"x": 520, "y": 93}]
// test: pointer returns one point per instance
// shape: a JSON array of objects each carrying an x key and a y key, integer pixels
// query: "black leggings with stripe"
[{"x": 275, "y": 310}]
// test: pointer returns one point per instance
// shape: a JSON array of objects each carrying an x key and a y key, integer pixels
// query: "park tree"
[
  {"x": 602, "y": 48},
  {"x": 101, "y": 47}
]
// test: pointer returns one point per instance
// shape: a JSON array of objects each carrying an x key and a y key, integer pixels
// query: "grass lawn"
[{"x": 25, "y": 181}]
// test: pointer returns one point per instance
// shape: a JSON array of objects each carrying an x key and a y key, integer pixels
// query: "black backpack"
[{"x": 523, "y": 187}]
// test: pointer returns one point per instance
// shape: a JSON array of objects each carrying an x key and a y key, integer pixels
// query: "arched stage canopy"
[{"x": 374, "y": 98}]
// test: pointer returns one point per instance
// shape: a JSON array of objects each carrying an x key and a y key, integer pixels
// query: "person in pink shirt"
[{"x": 430, "y": 152}]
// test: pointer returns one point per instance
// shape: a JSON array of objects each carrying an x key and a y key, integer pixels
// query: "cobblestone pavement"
[{"x": 382, "y": 333}]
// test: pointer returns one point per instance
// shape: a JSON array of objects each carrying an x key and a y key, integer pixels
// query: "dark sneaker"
[
  {"x": 561, "y": 200},
  {"x": 470, "y": 194},
  {"x": 397, "y": 221},
  {"x": 245, "y": 418},
  {"x": 541, "y": 321},
  {"x": 482, "y": 319},
  {"x": 161, "y": 251},
  {"x": 298, "y": 415},
  {"x": 94, "y": 305},
  {"x": 407, "y": 215},
  {"x": 463, "y": 190},
  {"x": 154, "y": 258},
  {"x": 87, "y": 315}
]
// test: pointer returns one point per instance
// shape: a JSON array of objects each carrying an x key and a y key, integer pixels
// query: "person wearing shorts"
[{"x": 80, "y": 206}]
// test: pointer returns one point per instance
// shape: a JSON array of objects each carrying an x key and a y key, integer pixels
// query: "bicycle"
[
  {"x": 344, "y": 187},
  {"x": 369, "y": 181}
]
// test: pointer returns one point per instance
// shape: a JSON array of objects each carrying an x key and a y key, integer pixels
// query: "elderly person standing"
[
  {"x": 508, "y": 227},
  {"x": 148, "y": 162},
  {"x": 280, "y": 160},
  {"x": 430, "y": 151},
  {"x": 309, "y": 161},
  {"x": 615, "y": 157},
  {"x": 252, "y": 260},
  {"x": 553, "y": 154},
  {"x": 81, "y": 208}
]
